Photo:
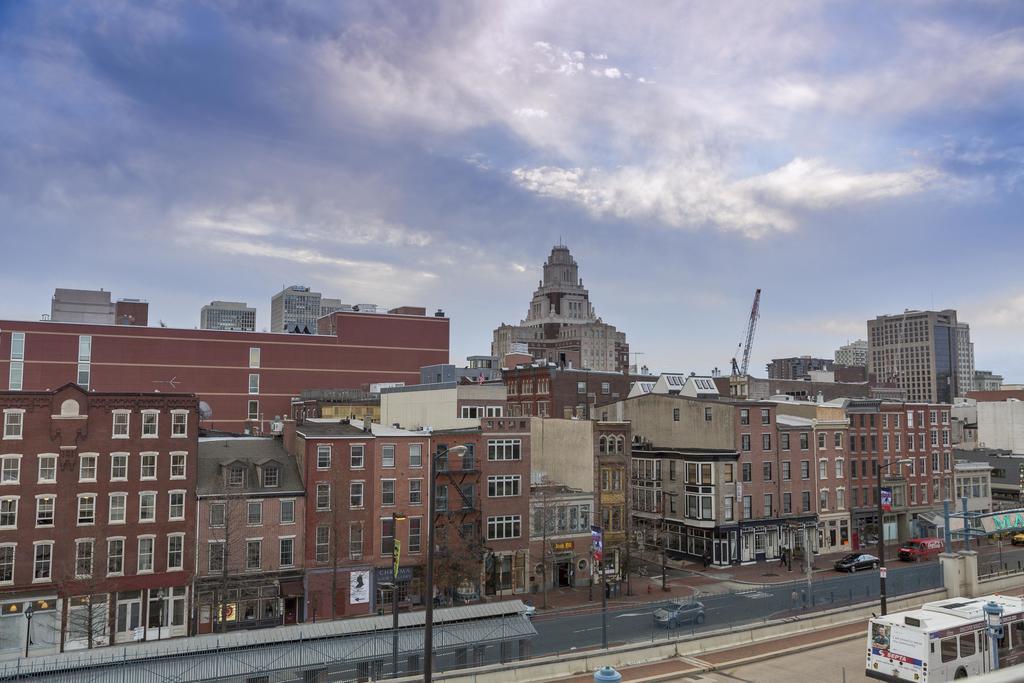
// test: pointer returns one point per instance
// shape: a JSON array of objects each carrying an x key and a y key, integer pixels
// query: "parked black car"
[
  {"x": 679, "y": 612},
  {"x": 855, "y": 561}
]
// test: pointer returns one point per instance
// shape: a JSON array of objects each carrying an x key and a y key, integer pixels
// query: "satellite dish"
[{"x": 205, "y": 411}]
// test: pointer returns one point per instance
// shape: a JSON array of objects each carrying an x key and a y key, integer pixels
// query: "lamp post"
[
  {"x": 993, "y": 613},
  {"x": 160, "y": 613},
  {"x": 428, "y": 627},
  {"x": 881, "y": 530},
  {"x": 29, "y": 610},
  {"x": 396, "y": 555}
]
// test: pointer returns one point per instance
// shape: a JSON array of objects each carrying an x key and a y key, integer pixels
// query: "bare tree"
[
  {"x": 87, "y": 617},
  {"x": 227, "y": 516}
]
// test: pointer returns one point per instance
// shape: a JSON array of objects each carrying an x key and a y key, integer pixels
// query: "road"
[{"x": 635, "y": 623}]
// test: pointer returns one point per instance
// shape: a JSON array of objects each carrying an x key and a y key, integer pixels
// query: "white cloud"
[
  {"x": 530, "y": 113},
  {"x": 612, "y": 72},
  {"x": 814, "y": 184}
]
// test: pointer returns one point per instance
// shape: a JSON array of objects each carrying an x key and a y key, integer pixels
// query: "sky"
[{"x": 850, "y": 159}]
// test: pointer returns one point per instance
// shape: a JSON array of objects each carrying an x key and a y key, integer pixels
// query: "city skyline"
[{"x": 850, "y": 161}]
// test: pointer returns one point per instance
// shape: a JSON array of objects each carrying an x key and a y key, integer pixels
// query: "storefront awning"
[{"x": 292, "y": 588}]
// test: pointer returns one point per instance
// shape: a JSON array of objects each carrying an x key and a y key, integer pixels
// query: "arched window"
[
  {"x": 602, "y": 445},
  {"x": 69, "y": 407}
]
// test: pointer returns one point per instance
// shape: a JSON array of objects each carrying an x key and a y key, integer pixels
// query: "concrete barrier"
[{"x": 554, "y": 667}]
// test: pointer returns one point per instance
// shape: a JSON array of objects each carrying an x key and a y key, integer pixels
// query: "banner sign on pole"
[
  {"x": 886, "y": 499},
  {"x": 596, "y": 543}
]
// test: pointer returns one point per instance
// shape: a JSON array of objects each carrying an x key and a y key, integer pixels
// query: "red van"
[{"x": 917, "y": 549}]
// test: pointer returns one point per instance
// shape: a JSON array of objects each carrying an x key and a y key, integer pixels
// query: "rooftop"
[{"x": 214, "y": 453}]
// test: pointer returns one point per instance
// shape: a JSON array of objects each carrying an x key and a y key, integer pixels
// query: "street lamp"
[
  {"x": 29, "y": 610},
  {"x": 881, "y": 528},
  {"x": 160, "y": 613},
  {"x": 428, "y": 630},
  {"x": 396, "y": 554},
  {"x": 993, "y": 619}
]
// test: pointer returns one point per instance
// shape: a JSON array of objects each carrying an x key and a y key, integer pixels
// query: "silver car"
[{"x": 679, "y": 612}]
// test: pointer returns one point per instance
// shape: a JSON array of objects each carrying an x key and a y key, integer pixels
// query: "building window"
[
  {"x": 823, "y": 469},
  {"x": 786, "y": 476},
  {"x": 415, "y": 533},
  {"x": 415, "y": 492},
  {"x": 581, "y": 387},
  {"x": 118, "y": 513},
  {"x": 766, "y": 416},
  {"x": 503, "y": 526},
  {"x": 236, "y": 476},
  {"x": 746, "y": 471},
  {"x": 9, "y": 512},
  {"x": 787, "y": 503},
  {"x": 707, "y": 414},
  {"x": 254, "y": 410},
  {"x": 178, "y": 465},
  {"x": 745, "y": 442},
  {"x": 13, "y": 423},
  {"x": 766, "y": 510},
  {"x": 179, "y": 423},
  {"x": 806, "y": 500},
  {"x": 287, "y": 512},
  {"x": 323, "y": 543},
  {"x": 744, "y": 416},
  {"x": 47, "y": 469},
  {"x": 766, "y": 470},
  {"x": 837, "y": 438},
  {"x": 286, "y": 556},
  {"x": 215, "y": 556},
  {"x": 805, "y": 469},
  {"x": 823, "y": 502},
  {"x": 727, "y": 505},
  {"x": 254, "y": 357},
  {"x": 747, "y": 509},
  {"x": 821, "y": 439},
  {"x": 323, "y": 496},
  {"x": 803, "y": 441},
  {"x": 147, "y": 506},
  {"x": 271, "y": 476},
  {"x": 387, "y": 535},
  {"x": 86, "y": 509},
  {"x": 675, "y": 414},
  {"x": 254, "y": 513},
  {"x": 839, "y": 468},
  {"x": 147, "y": 465},
  {"x": 217, "y": 514},
  {"x": 43, "y": 561},
  {"x": 176, "y": 506},
  {"x": 323, "y": 457},
  {"x": 415, "y": 455},
  {"x": 175, "y": 551},
  {"x": 121, "y": 422},
  {"x": 766, "y": 441},
  {"x": 10, "y": 469},
  {"x": 784, "y": 440},
  {"x": 254, "y": 383},
  {"x": 253, "y": 554},
  {"x": 150, "y": 424},
  {"x": 357, "y": 458},
  {"x": 387, "y": 455},
  {"x": 355, "y": 540},
  {"x": 504, "y": 449},
  {"x": 146, "y": 544},
  {"x": 45, "y": 506},
  {"x": 17, "y": 361},
  {"x": 355, "y": 494},
  {"x": 115, "y": 556},
  {"x": 502, "y": 486},
  {"x": 387, "y": 492}
]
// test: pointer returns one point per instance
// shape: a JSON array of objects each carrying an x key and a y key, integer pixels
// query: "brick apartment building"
[
  {"x": 544, "y": 389},
  {"x": 97, "y": 527},
  {"x": 246, "y": 378},
  {"x": 613, "y": 446},
  {"x": 251, "y": 535}
]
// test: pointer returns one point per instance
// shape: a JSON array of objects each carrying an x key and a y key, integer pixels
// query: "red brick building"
[
  {"x": 97, "y": 527},
  {"x": 545, "y": 389},
  {"x": 247, "y": 378},
  {"x": 251, "y": 535}
]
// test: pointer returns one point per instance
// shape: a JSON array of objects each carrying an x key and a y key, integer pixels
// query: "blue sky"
[{"x": 849, "y": 158}]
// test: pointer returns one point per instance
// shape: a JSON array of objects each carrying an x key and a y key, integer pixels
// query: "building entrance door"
[{"x": 564, "y": 573}]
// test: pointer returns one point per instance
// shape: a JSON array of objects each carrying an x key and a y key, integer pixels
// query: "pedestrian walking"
[
  {"x": 707, "y": 559},
  {"x": 782, "y": 558}
]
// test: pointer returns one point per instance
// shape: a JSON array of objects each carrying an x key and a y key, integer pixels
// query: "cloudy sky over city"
[{"x": 848, "y": 158}]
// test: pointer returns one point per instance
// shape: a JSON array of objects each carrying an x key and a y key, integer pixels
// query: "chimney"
[{"x": 288, "y": 435}]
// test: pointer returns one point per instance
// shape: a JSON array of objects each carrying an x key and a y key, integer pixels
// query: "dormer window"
[
  {"x": 271, "y": 476},
  {"x": 236, "y": 475}
]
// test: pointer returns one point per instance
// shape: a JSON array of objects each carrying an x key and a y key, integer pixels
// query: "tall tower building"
[
  {"x": 227, "y": 315},
  {"x": 294, "y": 307},
  {"x": 561, "y": 324},
  {"x": 854, "y": 354},
  {"x": 919, "y": 351},
  {"x": 965, "y": 359}
]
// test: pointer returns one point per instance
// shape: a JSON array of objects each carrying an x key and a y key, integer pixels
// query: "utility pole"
[{"x": 544, "y": 546}]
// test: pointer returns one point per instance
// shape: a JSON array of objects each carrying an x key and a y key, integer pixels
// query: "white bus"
[{"x": 942, "y": 641}]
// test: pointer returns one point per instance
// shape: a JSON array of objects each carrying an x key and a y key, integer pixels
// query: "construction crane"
[{"x": 748, "y": 343}]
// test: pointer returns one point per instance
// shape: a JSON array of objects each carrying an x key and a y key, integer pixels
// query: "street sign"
[{"x": 881, "y": 572}]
